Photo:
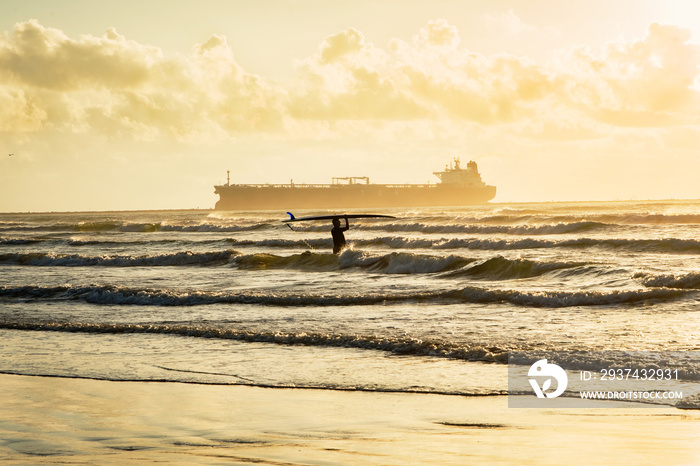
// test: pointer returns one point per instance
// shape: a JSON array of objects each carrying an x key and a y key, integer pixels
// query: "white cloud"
[{"x": 119, "y": 88}]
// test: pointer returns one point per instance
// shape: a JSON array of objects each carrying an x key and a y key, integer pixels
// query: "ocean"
[{"x": 432, "y": 301}]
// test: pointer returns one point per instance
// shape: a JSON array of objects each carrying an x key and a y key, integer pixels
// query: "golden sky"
[{"x": 145, "y": 105}]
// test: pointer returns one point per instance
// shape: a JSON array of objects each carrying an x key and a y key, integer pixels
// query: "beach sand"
[{"x": 71, "y": 421}]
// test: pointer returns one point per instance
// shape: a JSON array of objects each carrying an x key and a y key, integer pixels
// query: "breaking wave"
[
  {"x": 690, "y": 402},
  {"x": 685, "y": 363},
  {"x": 497, "y": 268},
  {"x": 504, "y": 221},
  {"x": 665, "y": 245},
  {"x": 402, "y": 262},
  {"x": 652, "y": 219},
  {"x": 556, "y": 299},
  {"x": 109, "y": 294},
  {"x": 500, "y": 268},
  {"x": 46, "y": 259},
  {"x": 401, "y": 345},
  {"x": 662, "y": 245},
  {"x": 683, "y": 281},
  {"x": 315, "y": 243}
]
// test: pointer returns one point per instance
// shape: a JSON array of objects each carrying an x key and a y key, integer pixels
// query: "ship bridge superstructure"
[{"x": 456, "y": 176}]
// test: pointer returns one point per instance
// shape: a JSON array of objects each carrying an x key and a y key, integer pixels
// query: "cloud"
[
  {"x": 119, "y": 88},
  {"x": 71, "y": 105},
  {"x": 338, "y": 45},
  {"x": 19, "y": 112},
  {"x": 645, "y": 83},
  {"x": 46, "y": 58},
  {"x": 438, "y": 33},
  {"x": 649, "y": 82},
  {"x": 428, "y": 78},
  {"x": 350, "y": 79}
]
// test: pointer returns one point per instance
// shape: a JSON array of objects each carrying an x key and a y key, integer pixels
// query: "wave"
[
  {"x": 500, "y": 268},
  {"x": 109, "y": 294},
  {"x": 507, "y": 216},
  {"x": 86, "y": 227},
  {"x": 214, "y": 228},
  {"x": 46, "y": 259},
  {"x": 617, "y": 219},
  {"x": 118, "y": 226},
  {"x": 662, "y": 245},
  {"x": 392, "y": 263},
  {"x": 102, "y": 243},
  {"x": 313, "y": 243},
  {"x": 19, "y": 241},
  {"x": 690, "y": 402},
  {"x": 504, "y": 221},
  {"x": 534, "y": 218},
  {"x": 402, "y": 262},
  {"x": 428, "y": 228},
  {"x": 397, "y": 345},
  {"x": 557, "y": 299},
  {"x": 683, "y": 281},
  {"x": 653, "y": 219},
  {"x": 305, "y": 261},
  {"x": 685, "y": 363}
]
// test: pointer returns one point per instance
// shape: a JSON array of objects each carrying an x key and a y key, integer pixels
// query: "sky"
[{"x": 136, "y": 105}]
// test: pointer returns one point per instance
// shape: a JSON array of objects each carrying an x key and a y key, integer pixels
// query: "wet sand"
[{"x": 60, "y": 421}]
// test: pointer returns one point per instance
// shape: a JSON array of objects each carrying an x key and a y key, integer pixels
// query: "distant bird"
[{"x": 11, "y": 155}]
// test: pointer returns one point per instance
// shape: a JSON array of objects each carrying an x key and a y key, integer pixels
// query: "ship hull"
[{"x": 261, "y": 197}]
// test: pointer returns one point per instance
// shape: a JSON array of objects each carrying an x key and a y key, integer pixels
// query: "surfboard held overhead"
[{"x": 331, "y": 217}]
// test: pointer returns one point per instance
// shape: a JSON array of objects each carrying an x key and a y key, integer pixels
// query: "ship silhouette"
[{"x": 457, "y": 187}]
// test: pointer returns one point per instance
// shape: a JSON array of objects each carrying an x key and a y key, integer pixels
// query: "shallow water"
[{"x": 431, "y": 301}]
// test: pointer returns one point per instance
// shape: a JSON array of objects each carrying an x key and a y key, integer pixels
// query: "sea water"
[{"x": 432, "y": 301}]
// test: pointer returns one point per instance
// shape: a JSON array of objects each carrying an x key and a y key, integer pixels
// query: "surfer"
[
  {"x": 337, "y": 231},
  {"x": 338, "y": 236}
]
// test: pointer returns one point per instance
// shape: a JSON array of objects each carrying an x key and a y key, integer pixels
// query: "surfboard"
[{"x": 331, "y": 217}]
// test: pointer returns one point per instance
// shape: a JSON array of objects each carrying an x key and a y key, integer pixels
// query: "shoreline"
[{"x": 56, "y": 420}]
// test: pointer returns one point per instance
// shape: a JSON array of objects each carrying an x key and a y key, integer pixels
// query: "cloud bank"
[{"x": 118, "y": 88}]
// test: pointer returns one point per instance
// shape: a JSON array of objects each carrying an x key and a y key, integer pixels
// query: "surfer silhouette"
[
  {"x": 337, "y": 231},
  {"x": 338, "y": 236}
]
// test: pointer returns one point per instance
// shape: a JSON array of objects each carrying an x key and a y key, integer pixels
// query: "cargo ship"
[{"x": 457, "y": 187}]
